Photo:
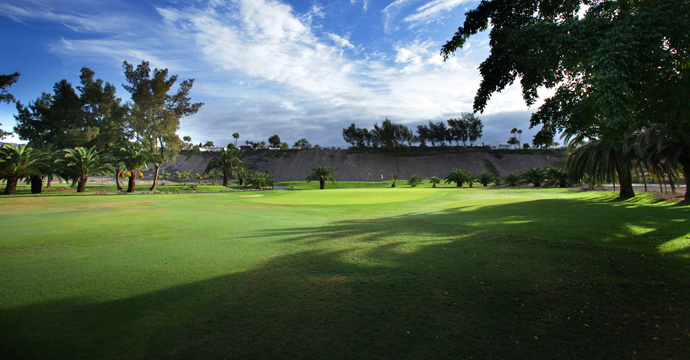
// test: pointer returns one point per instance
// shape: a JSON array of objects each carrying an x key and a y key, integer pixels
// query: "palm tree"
[
  {"x": 200, "y": 176},
  {"x": 434, "y": 180},
  {"x": 134, "y": 159},
  {"x": 183, "y": 176},
  {"x": 261, "y": 180},
  {"x": 557, "y": 177},
  {"x": 215, "y": 174},
  {"x": 485, "y": 178},
  {"x": 163, "y": 175},
  {"x": 228, "y": 162},
  {"x": 664, "y": 152},
  {"x": 81, "y": 162},
  {"x": 236, "y": 136},
  {"x": 457, "y": 176},
  {"x": 414, "y": 180},
  {"x": 322, "y": 174},
  {"x": 18, "y": 162},
  {"x": 48, "y": 156},
  {"x": 534, "y": 175},
  {"x": 601, "y": 161},
  {"x": 511, "y": 179},
  {"x": 394, "y": 177}
]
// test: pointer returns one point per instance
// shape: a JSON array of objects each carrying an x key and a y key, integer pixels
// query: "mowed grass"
[{"x": 345, "y": 273}]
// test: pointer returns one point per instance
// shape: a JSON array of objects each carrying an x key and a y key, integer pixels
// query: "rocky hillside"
[{"x": 370, "y": 164}]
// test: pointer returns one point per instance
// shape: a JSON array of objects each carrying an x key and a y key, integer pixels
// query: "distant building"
[{"x": 501, "y": 146}]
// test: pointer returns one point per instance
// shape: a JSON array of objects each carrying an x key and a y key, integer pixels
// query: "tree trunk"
[
  {"x": 81, "y": 186},
  {"x": 433, "y": 185},
  {"x": 226, "y": 179},
  {"x": 74, "y": 183},
  {"x": 117, "y": 178},
  {"x": 458, "y": 184},
  {"x": 50, "y": 180},
  {"x": 322, "y": 184},
  {"x": 685, "y": 163},
  {"x": 36, "y": 184},
  {"x": 132, "y": 183},
  {"x": 11, "y": 187},
  {"x": 155, "y": 177},
  {"x": 625, "y": 179}
]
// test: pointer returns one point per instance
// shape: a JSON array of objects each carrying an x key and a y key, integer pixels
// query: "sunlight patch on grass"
[{"x": 676, "y": 245}]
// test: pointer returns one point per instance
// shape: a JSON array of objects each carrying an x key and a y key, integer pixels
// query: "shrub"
[
  {"x": 485, "y": 178},
  {"x": 414, "y": 180},
  {"x": 511, "y": 179},
  {"x": 534, "y": 175}
]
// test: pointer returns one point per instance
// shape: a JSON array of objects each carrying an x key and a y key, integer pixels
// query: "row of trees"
[
  {"x": 536, "y": 176},
  {"x": 466, "y": 128},
  {"x": 93, "y": 117},
  {"x": 19, "y": 162}
]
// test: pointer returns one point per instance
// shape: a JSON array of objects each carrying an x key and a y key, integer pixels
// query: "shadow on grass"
[{"x": 537, "y": 279}]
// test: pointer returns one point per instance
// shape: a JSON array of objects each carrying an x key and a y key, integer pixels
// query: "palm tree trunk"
[
  {"x": 117, "y": 178},
  {"x": 625, "y": 179},
  {"x": 322, "y": 184},
  {"x": 155, "y": 177},
  {"x": 685, "y": 164},
  {"x": 226, "y": 179},
  {"x": 50, "y": 180},
  {"x": 36, "y": 184},
  {"x": 132, "y": 183},
  {"x": 11, "y": 187},
  {"x": 74, "y": 183},
  {"x": 81, "y": 186}
]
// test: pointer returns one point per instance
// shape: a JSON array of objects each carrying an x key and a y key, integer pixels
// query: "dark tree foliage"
[
  {"x": 388, "y": 134},
  {"x": 302, "y": 143},
  {"x": 65, "y": 119},
  {"x": 156, "y": 113},
  {"x": 5, "y": 82},
  {"x": 274, "y": 141},
  {"x": 616, "y": 66}
]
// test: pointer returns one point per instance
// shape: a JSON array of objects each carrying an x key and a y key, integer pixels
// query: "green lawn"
[{"x": 345, "y": 273}]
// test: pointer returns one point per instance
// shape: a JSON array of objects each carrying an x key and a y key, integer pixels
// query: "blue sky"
[{"x": 263, "y": 67}]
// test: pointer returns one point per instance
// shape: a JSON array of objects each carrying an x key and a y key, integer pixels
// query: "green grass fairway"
[{"x": 358, "y": 273}]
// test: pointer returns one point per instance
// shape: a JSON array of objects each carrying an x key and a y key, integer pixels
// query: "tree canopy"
[{"x": 616, "y": 66}]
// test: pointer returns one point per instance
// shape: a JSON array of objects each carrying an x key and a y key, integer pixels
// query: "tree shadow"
[{"x": 500, "y": 281}]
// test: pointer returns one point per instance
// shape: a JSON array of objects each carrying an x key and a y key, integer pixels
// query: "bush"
[
  {"x": 261, "y": 180},
  {"x": 485, "y": 178},
  {"x": 414, "y": 180},
  {"x": 511, "y": 180},
  {"x": 534, "y": 175}
]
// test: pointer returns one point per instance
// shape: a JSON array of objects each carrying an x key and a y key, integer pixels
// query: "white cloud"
[
  {"x": 258, "y": 61},
  {"x": 340, "y": 41},
  {"x": 433, "y": 10}
]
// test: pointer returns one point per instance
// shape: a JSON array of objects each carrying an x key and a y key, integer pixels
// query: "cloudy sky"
[{"x": 263, "y": 67}]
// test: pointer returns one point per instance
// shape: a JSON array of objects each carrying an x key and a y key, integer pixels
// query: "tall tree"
[
  {"x": 155, "y": 115},
  {"x": 235, "y": 136},
  {"x": 65, "y": 119},
  {"x": 5, "y": 82},
  {"x": 611, "y": 78},
  {"x": 274, "y": 140}
]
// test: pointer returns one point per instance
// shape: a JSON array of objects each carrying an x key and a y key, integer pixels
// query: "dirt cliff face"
[{"x": 370, "y": 164}]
